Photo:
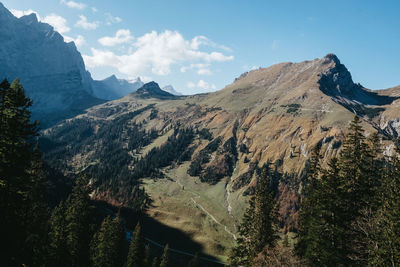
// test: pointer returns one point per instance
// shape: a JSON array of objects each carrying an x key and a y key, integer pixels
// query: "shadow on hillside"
[{"x": 158, "y": 235}]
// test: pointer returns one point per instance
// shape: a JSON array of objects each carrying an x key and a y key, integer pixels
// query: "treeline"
[
  {"x": 349, "y": 212},
  {"x": 176, "y": 150},
  {"x": 107, "y": 149}
]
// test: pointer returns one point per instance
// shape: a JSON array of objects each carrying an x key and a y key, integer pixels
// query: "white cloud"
[
  {"x": 146, "y": 79},
  {"x": 202, "y": 40},
  {"x": 73, "y": 4},
  {"x": 121, "y": 36},
  {"x": 59, "y": 23},
  {"x": 201, "y": 84},
  {"x": 94, "y": 10},
  {"x": 79, "y": 40},
  {"x": 110, "y": 19},
  {"x": 21, "y": 13},
  {"x": 155, "y": 52},
  {"x": 85, "y": 24},
  {"x": 201, "y": 68}
]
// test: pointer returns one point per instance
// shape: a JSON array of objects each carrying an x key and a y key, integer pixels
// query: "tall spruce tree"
[
  {"x": 258, "y": 229},
  {"x": 80, "y": 222},
  {"x": 58, "y": 254},
  {"x": 136, "y": 249},
  {"x": 335, "y": 201},
  {"x": 307, "y": 246},
  {"x": 382, "y": 227},
  {"x": 107, "y": 247},
  {"x": 22, "y": 202}
]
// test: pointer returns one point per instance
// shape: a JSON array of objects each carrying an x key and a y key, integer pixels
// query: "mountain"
[
  {"x": 53, "y": 72},
  {"x": 153, "y": 90},
  {"x": 198, "y": 156},
  {"x": 171, "y": 89},
  {"x": 112, "y": 88}
]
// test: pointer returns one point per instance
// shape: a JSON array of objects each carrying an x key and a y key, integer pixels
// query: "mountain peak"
[
  {"x": 4, "y": 12},
  {"x": 152, "y": 89},
  {"x": 30, "y": 17},
  {"x": 331, "y": 58}
]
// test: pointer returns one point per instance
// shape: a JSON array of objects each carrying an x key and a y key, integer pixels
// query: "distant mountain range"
[
  {"x": 52, "y": 71},
  {"x": 112, "y": 88}
]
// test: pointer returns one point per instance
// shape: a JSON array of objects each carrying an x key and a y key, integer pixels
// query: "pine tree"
[
  {"x": 58, "y": 250},
  {"x": 79, "y": 216},
  {"x": 265, "y": 214},
  {"x": 258, "y": 228},
  {"x": 310, "y": 202},
  {"x": 22, "y": 202},
  {"x": 335, "y": 202},
  {"x": 357, "y": 170},
  {"x": 240, "y": 254},
  {"x": 383, "y": 226},
  {"x": 136, "y": 249},
  {"x": 165, "y": 261},
  {"x": 107, "y": 248}
]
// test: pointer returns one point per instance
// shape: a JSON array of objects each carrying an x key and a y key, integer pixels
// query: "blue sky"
[{"x": 200, "y": 46}]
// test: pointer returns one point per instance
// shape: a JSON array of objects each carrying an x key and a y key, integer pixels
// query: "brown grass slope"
[{"x": 276, "y": 113}]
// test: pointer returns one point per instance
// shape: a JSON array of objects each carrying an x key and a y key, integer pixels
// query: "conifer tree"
[
  {"x": 136, "y": 249},
  {"x": 309, "y": 206},
  {"x": 165, "y": 261},
  {"x": 107, "y": 248},
  {"x": 265, "y": 214},
  {"x": 336, "y": 201},
  {"x": 23, "y": 222},
  {"x": 58, "y": 250},
  {"x": 258, "y": 228},
  {"x": 383, "y": 226},
  {"x": 80, "y": 225}
]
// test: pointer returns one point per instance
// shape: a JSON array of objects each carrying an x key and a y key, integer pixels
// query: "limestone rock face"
[{"x": 52, "y": 71}]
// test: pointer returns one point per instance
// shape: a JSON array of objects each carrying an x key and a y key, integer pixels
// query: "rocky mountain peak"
[
  {"x": 152, "y": 89},
  {"x": 331, "y": 58},
  {"x": 337, "y": 82},
  {"x": 29, "y": 19}
]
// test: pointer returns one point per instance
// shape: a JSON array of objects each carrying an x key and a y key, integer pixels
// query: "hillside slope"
[{"x": 276, "y": 114}]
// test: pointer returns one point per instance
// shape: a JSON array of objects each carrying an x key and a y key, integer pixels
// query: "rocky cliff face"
[{"x": 52, "y": 71}]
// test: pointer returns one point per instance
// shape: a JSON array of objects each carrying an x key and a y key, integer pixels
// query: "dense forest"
[{"x": 349, "y": 209}]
